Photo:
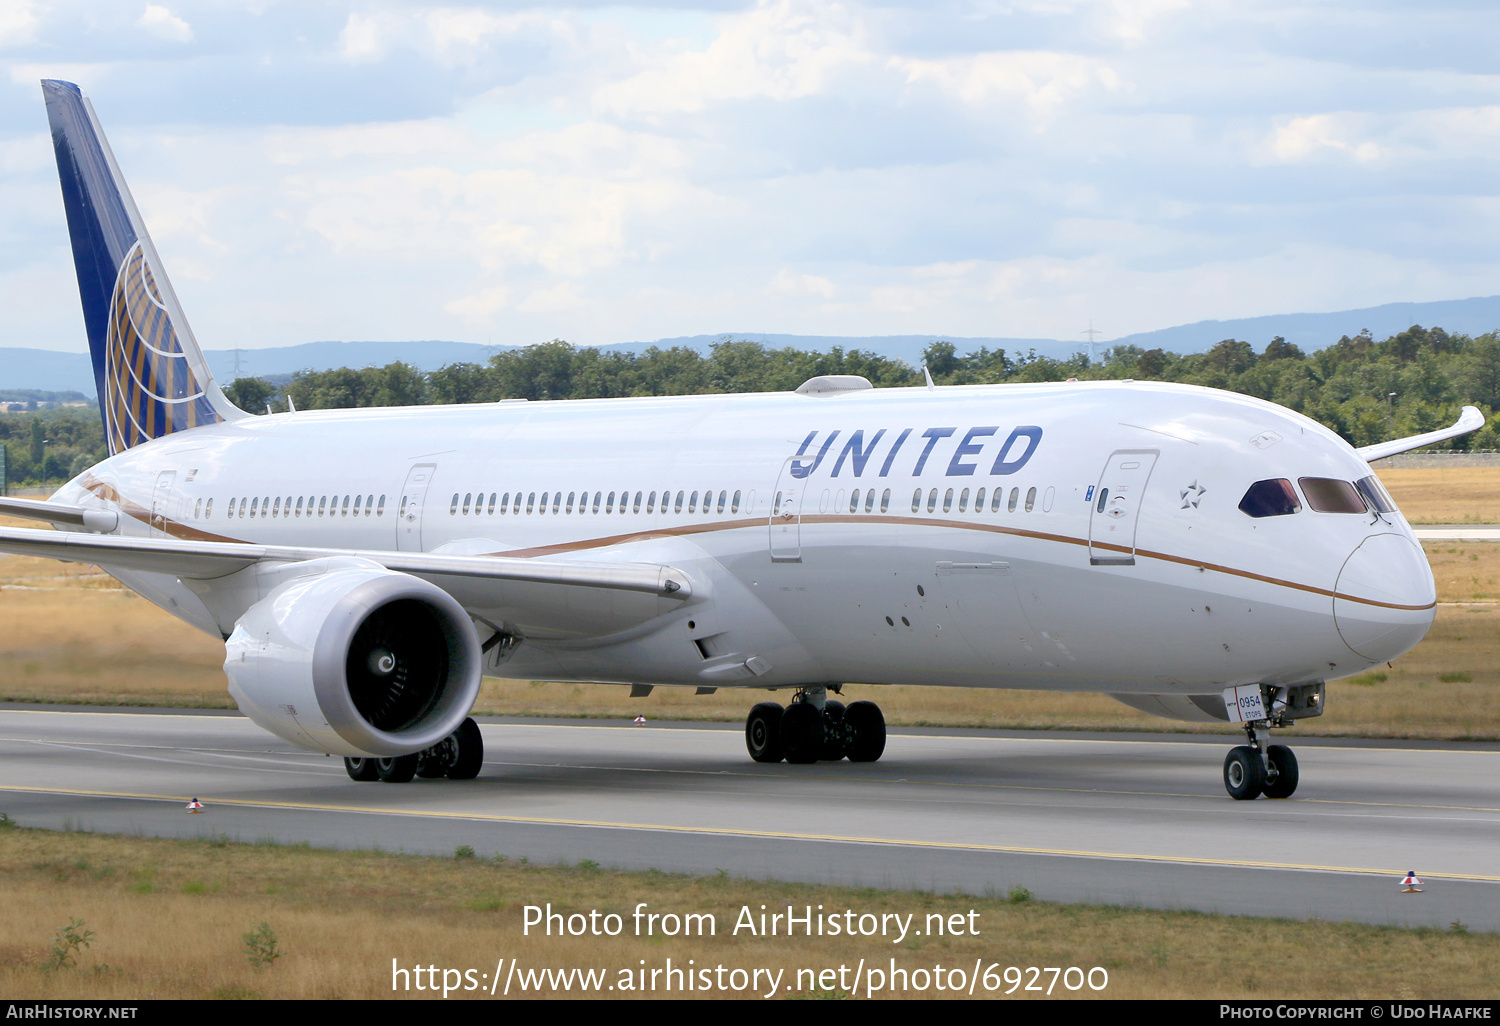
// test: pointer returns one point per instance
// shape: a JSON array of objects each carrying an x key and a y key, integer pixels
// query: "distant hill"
[
  {"x": 52, "y": 371},
  {"x": 1311, "y": 331}
]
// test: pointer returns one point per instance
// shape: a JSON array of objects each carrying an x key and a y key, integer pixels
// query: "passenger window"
[
  {"x": 598, "y": 498},
  {"x": 885, "y": 500},
  {"x": 489, "y": 512},
  {"x": 1103, "y": 496},
  {"x": 995, "y": 498},
  {"x": 677, "y": 506},
  {"x": 370, "y": 502},
  {"x": 357, "y": 504},
  {"x": 276, "y": 508},
  {"x": 322, "y": 505},
  {"x": 1015, "y": 496},
  {"x": 979, "y": 501},
  {"x": 916, "y": 501},
  {"x": 932, "y": 500},
  {"x": 453, "y": 506},
  {"x": 253, "y": 504},
  {"x": 345, "y": 510},
  {"x": 609, "y": 503},
  {"x": 571, "y": 497},
  {"x": 208, "y": 510},
  {"x": 693, "y": 503},
  {"x": 1274, "y": 498},
  {"x": 541, "y": 507},
  {"x": 1330, "y": 495},
  {"x": 1375, "y": 495},
  {"x": 504, "y": 503},
  {"x": 380, "y": 509},
  {"x": 530, "y": 502},
  {"x": 651, "y": 503},
  {"x": 198, "y": 510},
  {"x": 1030, "y": 499},
  {"x": 948, "y": 501},
  {"x": 854, "y": 501},
  {"x": 723, "y": 498},
  {"x": 556, "y": 501},
  {"x": 963, "y": 500}
]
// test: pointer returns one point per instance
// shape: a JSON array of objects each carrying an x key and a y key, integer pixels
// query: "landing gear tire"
[
  {"x": 396, "y": 771},
  {"x": 467, "y": 761},
  {"x": 834, "y": 737},
  {"x": 763, "y": 732},
  {"x": 1244, "y": 775},
  {"x": 864, "y": 726},
  {"x": 434, "y": 762},
  {"x": 1283, "y": 783},
  {"x": 802, "y": 733},
  {"x": 362, "y": 770}
]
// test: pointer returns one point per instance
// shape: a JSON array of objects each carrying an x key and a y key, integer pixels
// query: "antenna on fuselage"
[{"x": 928, "y": 375}]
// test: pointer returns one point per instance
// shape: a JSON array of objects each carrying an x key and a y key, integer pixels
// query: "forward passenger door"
[
  {"x": 409, "y": 510},
  {"x": 1116, "y": 506}
]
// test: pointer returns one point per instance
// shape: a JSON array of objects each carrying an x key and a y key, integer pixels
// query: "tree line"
[{"x": 1364, "y": 389}]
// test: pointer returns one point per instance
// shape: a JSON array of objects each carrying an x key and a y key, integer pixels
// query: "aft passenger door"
[
  {"x": 1116, "y": 506},
  {"x": 786, "y": 517},
  {"x": 409, "y": 511},
  {"x": 160, "y": 497}
]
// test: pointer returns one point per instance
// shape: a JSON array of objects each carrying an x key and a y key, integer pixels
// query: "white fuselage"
[{"x": 1171, "y": 589}]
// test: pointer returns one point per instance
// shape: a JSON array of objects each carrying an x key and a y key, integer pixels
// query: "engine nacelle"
[{"x": 358, "y": 661}]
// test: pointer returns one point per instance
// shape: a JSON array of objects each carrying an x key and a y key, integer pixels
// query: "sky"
[{"x": 509, "y": 174}]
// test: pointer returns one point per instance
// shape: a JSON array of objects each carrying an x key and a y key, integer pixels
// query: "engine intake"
[{"x": 355, "y": 660}]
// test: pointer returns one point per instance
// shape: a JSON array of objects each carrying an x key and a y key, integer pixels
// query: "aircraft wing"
[
  {"x": 1469, "y": 420},
  {"x": 202, "y": 560}
]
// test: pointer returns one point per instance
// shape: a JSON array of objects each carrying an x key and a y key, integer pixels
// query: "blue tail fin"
[{"x": 151, "y": 375}]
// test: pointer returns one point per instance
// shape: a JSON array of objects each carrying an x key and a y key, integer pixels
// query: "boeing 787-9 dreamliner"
[{"x": 1193, "y": 553}]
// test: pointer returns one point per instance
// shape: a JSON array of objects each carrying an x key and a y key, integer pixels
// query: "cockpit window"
[
  {"x": 1330, "y": 495},
  {"x": 1375, "y": 495},
  {"x": 1275, "y": 498}
]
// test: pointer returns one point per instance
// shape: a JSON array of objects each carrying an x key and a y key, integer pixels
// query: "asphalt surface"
[{"x": 1103, "y": 818}]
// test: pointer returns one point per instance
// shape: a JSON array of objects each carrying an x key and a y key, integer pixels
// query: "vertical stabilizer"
[{"x": 151, "y": 375}]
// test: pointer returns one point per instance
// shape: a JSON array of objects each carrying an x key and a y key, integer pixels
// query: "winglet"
[{"x": 1469, "y": 420}]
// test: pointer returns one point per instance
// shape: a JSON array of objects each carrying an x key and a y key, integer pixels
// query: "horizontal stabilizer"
[{"x": 1470, "y": 420}]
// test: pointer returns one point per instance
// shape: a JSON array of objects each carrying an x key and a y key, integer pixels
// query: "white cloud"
[
  {"x": 163, "y": 24},
  {"x": 480, "y": 308},
  {"x": 1044, "y": 82},
  {"x": 788, "y": 283},
  {"x": 1320, "y": 135},
  {"x": 18, "y": 22},
  {"x": 780, "y": 50},
  {"x": 564, "y": 296}
]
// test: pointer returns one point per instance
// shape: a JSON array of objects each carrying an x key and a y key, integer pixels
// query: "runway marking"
[
  {"x": 766, "y": 834},
  {"x": 896, "y": 732},
  {"x": 103, "y": 748}
]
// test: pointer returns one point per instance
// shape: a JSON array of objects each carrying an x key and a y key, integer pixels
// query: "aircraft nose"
[{"x": 1385, "y": 597}]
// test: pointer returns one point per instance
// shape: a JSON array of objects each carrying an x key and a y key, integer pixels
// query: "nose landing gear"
[
  {"x": 1260, "y": 768},
  {"x": 815, "y": 729}
]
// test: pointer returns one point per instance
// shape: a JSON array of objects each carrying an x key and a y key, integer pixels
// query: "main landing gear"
[
  {"x": 1260, "y": 768},
  {"x": 457, "y": 757},
  {"x": 814, "y": 728}
]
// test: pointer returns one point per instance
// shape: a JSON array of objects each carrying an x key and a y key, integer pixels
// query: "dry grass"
[
  {"x": 1446, "y": 495},
  {"x": 74, "y": 635},
  {"x": 168, "y": 919}
]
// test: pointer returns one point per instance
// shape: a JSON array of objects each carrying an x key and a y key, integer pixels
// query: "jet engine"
[{"x": 360, "y": 661}]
